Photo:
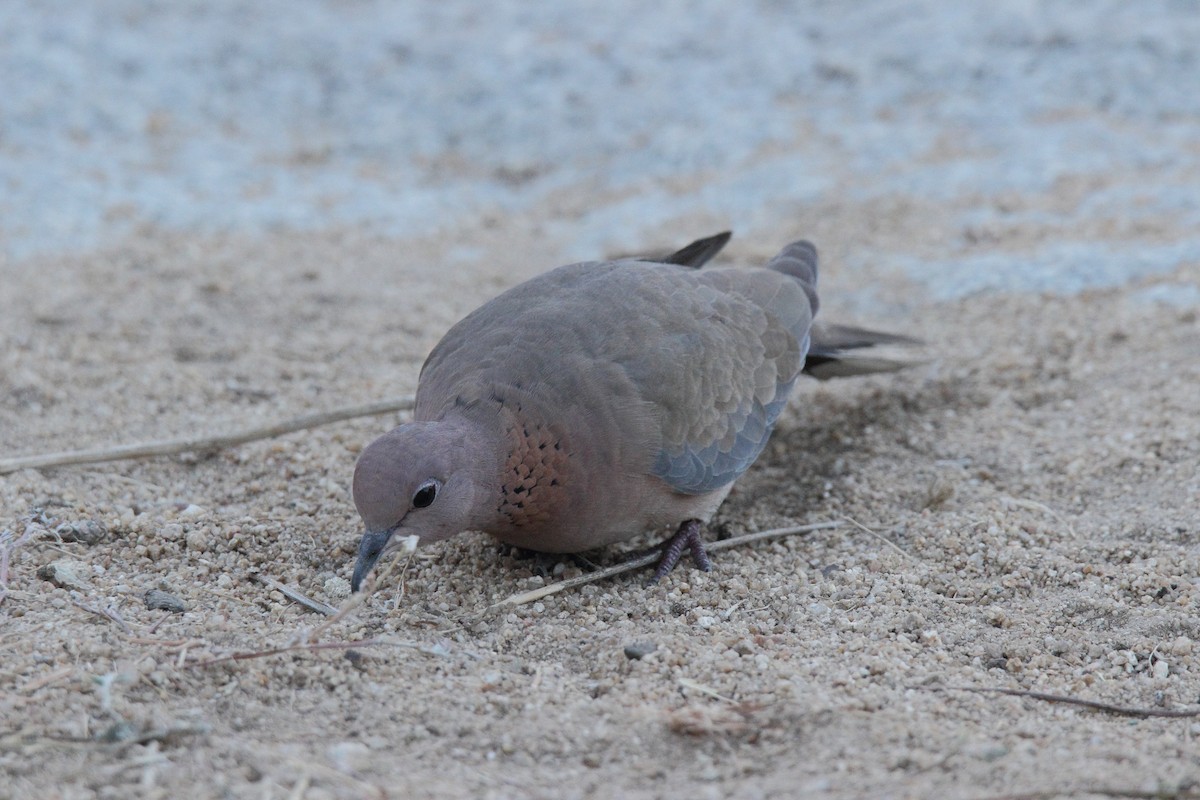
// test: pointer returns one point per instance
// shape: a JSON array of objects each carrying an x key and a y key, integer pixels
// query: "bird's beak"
[{"x": 369, "y": 550}]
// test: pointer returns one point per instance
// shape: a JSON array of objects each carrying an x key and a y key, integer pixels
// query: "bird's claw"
[{"x": 687, "y": 536}]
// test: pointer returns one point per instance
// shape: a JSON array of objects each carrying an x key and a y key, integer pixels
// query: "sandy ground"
[
  {"x": 1013, "y": 183},
  {"x": 1031, "y": 496}
]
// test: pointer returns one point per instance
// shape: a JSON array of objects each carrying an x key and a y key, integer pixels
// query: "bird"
[{"x": 602, "y": 400}]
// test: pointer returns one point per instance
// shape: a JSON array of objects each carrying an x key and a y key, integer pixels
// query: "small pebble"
[
  {"x": 337, "y": 588},
  {"x": 121, "y": 731},
  {"x": 84, "y": 531},
  {"x": 349, "y": 756},
  {"x": 639, "y": 650},
  {"x": 65, "y": 574},
  {"x": 156, "y": 599}
]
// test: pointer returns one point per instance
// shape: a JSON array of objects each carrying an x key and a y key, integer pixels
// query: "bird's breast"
[{"x": 536, "y": 475}]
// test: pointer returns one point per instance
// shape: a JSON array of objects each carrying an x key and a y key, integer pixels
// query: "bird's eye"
[{"x": 425, "y": 494}]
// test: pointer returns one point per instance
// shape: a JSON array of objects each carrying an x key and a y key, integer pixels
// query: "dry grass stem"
[
  {"x": 1103, "y": 791},
  {"x": 652, "y": 558},
  {"x": 880, "y": 537},
  {"x": 108, "y": 612},
  {"x": 246, "y": 655},
  {"x": 203, "y": 444},
  {"x": 9, "y": 544},
  {"x": 1095, "y": 705},
  {"x": 45, "y": 680},
  {"x": 295, "y": 595},
  {"x": 1034, "y": 505},
  {"x": 696, "y": 686}
]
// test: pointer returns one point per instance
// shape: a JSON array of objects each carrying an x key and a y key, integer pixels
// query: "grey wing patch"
[
  {"x": 699, "y": 470},
  {"x": 742, "y": 387}
]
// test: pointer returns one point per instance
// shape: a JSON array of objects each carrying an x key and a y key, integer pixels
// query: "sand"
[{"x": 1024, "y": 512}]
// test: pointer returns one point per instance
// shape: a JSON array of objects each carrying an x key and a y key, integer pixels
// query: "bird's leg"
[{"x": 688, "y": 536}]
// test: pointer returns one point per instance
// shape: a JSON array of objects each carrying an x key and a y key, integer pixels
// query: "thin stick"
[
  {"x": 172, "y": 447},
  {"x": 45, "y": 680},
  {"x": 651, "y": 558},
  {"x": 295, "y": 596},
  {"x": 688, "y": 683},
  {"x": 108, "y": 613},
  {"x": 1103, "y": 791},
  {"x": 1034, "y": 505},
  {"x": 352, "y": 602},
  {"x": 9, "y": 545},
  {"x": 377, "y": 642},
  {"x": 154, "y": 628},
  {"x": 880, "y": 537},
  {"x": 1095, "y": 705}
]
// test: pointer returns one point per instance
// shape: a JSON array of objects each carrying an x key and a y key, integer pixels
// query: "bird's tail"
[
  {"x": 839, "y": 351},
  {"x": 698, "y": 253},
  {"x": 835, "y": 351},
  {"x": 799, "y": 260}
]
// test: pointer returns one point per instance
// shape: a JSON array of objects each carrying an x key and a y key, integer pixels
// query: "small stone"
[
  {"x": 337, "y": 588},
  {"x": 993, "y": 752},
  {"x": 158, "y": 600},
  {"x": 939, "y": 492},
  {"x": 192, "y": 511},
  {"x": 84, "y": 531},
  {"x": 65, "y": 573},
  {"x": 350, "y": 757},
  {"x": 639, "y": 650},
  {"x": 197, "y": 541},
  {"x": 1160, "y": 669},
  {"x": 121, "y": 731}
]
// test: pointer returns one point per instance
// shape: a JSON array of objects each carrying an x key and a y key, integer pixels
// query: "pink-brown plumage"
[{"x": 595, "y": 402}]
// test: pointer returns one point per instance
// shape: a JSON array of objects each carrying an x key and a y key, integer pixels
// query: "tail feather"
[
  {"x": 698, "y": 253},
  {"x": 840, "y": 351},
  {"x": 835, "y": 351}
]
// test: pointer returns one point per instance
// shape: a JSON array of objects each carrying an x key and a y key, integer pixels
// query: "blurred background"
[{"x": 1018, "y": 145}]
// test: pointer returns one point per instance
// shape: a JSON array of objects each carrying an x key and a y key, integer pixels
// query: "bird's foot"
[{"x": 687, "y": 536}]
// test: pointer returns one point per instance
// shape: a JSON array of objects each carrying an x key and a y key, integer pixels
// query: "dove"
[{"x": 602, "y": 400}]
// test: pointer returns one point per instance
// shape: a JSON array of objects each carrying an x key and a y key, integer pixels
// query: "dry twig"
[
  {"x": 697, "y": 686},
  {"x": 651, "y": 558},
  {"x": 109, "y": 612},
  {"x": 45, "y": 680},
  {"x": 203, "y": 444},
  {"x": 880, "y": 537},
  {"x": 1033, "y": 505},
  {"x": 9, "y": 544},
  {"x": 433, "y": 650},
  {"x": 295, "y": 595},
  {"x": 1103, "y": 791},
  {"x": 1095, "y": 705}
]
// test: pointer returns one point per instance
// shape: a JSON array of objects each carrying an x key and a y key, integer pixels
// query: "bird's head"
[{"x": 421, "y": 479}]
